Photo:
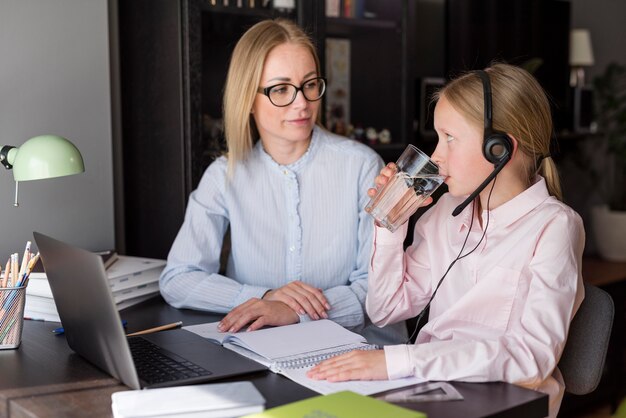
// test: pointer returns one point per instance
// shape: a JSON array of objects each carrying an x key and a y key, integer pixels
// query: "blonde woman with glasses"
[{"x": 292, "y": 193}]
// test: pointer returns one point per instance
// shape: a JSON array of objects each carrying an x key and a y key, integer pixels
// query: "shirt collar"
[
  {"x": 522, "y": 204},
  {"x": 297, "y": 165},
  {"x": 510, "y": 211}
]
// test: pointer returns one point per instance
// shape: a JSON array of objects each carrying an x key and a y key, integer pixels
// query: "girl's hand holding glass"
[{"x": 402, "y": 188}]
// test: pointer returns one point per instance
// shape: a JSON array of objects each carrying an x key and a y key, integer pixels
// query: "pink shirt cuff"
[
  {"x": 398, "y": 359},
  {"x": 386, "y": 237}
]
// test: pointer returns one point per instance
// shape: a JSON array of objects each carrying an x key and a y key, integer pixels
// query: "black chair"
[{"x": 582, "y": 361}]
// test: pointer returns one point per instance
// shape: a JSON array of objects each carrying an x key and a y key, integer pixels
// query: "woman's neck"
[{"x": 286, "y": 152}]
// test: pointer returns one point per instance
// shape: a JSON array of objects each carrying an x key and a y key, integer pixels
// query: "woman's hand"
[
  {"x": 355, "y": 365},
  {"x": 302, "y": 298},
  {"x": 259, "y": 313}
]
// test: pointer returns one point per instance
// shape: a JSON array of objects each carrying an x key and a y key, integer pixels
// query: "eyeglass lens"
[{"x": 285, "y": 94}]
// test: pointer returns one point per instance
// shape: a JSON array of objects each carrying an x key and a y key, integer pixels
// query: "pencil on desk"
[
  {"x": 25, "y": 259},
  {"x": 14, "y": 270},
  {"x": 157, "y": 329},
  {"x": 5, "y": 279}
]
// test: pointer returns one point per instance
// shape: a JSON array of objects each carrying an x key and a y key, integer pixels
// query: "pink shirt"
[{"x": 503, "y": 312}]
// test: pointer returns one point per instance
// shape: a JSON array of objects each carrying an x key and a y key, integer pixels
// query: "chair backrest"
[{"x": 583, "y": 358}]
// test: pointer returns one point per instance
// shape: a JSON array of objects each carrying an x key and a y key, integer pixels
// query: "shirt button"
[
  {"x": 292, "y": 248},
  {"x": 285, "y": 172}
]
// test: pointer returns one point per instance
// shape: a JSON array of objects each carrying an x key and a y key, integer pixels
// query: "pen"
[
  {"x": 25, "y": 260},
  {"x": 157, "y": 329},
  {"x": 60, "y": 330}
]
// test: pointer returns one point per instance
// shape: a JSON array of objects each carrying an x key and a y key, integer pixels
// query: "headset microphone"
[
  {"x": 497, "y": 146},
  {"x": 480, "y": 188}
]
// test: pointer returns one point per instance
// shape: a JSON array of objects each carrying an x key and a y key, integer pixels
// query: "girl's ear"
[{"x": 515, "y": 144}]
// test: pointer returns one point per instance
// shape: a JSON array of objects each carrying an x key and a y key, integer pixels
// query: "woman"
[{"x": 292, "y": 193}]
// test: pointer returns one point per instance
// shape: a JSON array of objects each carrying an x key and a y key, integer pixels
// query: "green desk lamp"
[{"x": 41, "y": 157}]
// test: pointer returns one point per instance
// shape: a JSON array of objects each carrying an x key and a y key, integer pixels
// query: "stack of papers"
[
  {"x": 131, "y": 279},
  {"x": 216, "y": 400}
]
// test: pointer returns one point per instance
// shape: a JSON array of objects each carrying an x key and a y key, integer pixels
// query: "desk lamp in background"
[
  {"x": 580, "y": 56},
  {"x": 41, "y": 157}
]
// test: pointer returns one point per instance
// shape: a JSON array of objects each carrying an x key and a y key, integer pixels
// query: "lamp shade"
[
  {"x": 45, "y": 156},
  {"x": 580, "y": 50}
]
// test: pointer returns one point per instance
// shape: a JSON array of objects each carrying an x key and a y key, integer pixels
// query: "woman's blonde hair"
[
  {"x": 244, "y": 77},
  {"x": 520, "y": 108}
]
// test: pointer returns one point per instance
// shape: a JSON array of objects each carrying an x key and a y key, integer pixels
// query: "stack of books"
[{"x": 131, "y": 279}]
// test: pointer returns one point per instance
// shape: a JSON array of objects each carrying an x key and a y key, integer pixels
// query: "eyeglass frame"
[{"x": 266, "y": 91}]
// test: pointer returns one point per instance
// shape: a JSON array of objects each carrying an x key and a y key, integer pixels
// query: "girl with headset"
[{"x": 511, "y": 259}]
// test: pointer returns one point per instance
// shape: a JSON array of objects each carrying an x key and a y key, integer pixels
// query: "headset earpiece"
[{"x": 497, "y": 146}]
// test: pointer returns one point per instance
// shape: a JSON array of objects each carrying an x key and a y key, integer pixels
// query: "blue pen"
[{"x": 61, "y": 331}]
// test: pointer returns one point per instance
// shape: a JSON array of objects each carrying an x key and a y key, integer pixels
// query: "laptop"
[{"x": 93, "y": 328}]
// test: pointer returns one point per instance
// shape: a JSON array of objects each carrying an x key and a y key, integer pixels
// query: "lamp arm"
[{"x": 7, "y": 157}]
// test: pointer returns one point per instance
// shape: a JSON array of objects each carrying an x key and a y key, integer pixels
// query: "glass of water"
[{"x": 416, "y": 179}]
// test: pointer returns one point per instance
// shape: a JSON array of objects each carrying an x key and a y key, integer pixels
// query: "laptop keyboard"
[{"x": 154, "y": 365}]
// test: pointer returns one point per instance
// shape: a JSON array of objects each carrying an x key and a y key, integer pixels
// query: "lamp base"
[{"x": 577, "y": 77}]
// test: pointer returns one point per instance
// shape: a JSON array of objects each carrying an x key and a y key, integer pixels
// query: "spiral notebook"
[{"x": 292, "y": 350}]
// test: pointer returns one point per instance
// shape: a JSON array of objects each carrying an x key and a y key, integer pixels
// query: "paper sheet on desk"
[
  {"x": 365, "y": 387},
  {"x": 293, "y": 339}
]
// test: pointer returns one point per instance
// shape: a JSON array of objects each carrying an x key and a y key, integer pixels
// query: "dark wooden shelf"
[
  {"x": 233, "y": 9},
  {"x": 332, "y": 22}
]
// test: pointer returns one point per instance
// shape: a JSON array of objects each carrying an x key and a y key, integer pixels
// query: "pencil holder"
[{"x": 11, "y": 316}]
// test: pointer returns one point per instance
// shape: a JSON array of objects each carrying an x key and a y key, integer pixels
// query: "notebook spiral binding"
[{"x": 312, "y": 360}]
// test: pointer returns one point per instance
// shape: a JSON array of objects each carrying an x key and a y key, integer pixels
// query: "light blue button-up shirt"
[{"x": 303, "y": 221}]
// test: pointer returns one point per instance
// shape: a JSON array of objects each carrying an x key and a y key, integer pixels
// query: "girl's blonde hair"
[
  {"x": 244, "y": 77},
  {"x": 520, "y": 108}
]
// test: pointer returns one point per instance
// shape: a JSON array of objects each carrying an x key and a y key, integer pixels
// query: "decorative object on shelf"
[
  {"x": 384, "y": 136},
  {"x": 359, "y": 133},
  {"x": 609, "y": 221},
  {"x": 284, "y": 5},
  {"x": 371, "y": 135},
  {"x": 41, "y": 157},
  {"x": 580, "y": 55}
]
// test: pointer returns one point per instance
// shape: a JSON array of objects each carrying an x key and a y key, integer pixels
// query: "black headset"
[{"x": 497, "y": 146}]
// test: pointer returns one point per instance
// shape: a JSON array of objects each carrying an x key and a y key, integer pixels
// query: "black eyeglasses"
[{"x": 284, "y": 94}]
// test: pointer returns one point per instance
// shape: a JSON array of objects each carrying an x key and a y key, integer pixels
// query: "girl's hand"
[
  {"x": 302, "y": 298},
  {"x": 355, "y": 365},
  {"x": 386, "y": 173},
  {"x": 258, "y": 313}
]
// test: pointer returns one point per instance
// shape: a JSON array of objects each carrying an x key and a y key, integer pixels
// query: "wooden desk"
[
  {"x": 600, "y": 272},
  {"x": 44, "y": 378}
]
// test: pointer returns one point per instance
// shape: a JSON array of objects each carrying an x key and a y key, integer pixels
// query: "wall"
[{"x": 54, "y": 78}]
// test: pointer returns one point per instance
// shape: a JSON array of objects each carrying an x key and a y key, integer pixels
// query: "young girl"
[{"x": 505, "y": 273}]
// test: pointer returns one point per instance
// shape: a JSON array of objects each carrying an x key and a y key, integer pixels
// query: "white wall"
[{"x": 54, "y": 78}]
